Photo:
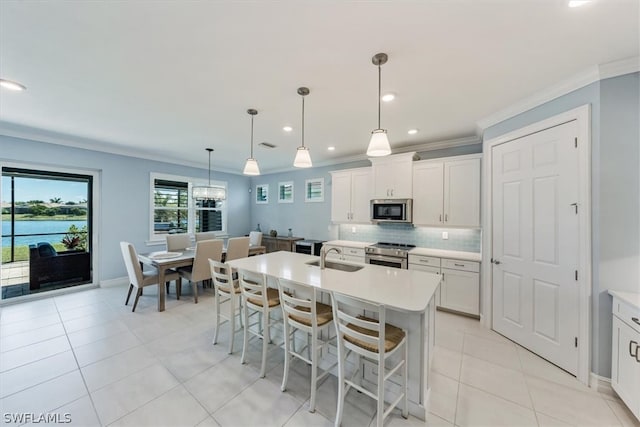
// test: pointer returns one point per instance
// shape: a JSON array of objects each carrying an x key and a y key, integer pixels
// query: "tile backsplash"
[{"x": 465, "y": 239}]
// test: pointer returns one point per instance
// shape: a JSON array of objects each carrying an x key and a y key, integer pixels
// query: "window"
[
  {"x": 262, "y": 193},
  {"x": 285, "y": 192},
  {"x": 175, "y": 211},
  {"x": 314, "y": 190}
]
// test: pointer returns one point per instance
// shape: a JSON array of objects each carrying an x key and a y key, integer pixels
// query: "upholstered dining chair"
[
  {"x": 200, "y": 270},
  {"x": 237, "y": 247},
  {"x": 137, "y": 277},
  {"x": 255, "y": 238},
  {"x": 206, "y": 235},
  {"x": 178, "y": 242}
]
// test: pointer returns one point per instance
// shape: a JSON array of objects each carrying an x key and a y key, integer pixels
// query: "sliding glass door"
[{"x": 46, "y": 231}]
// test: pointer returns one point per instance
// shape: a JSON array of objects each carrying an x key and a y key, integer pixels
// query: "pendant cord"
[
  {"x": 252, "y": 136},
  {"x": 379, "y": 91},
  {"x": 303, "y": 121},
  {"x": 209, "y": 168}
]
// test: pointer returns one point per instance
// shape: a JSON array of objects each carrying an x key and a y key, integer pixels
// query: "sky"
[{"x": 43, "y": 189}]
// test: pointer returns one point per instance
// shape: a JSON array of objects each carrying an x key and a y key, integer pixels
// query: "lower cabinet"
[
  {"x": 460, "y": 286},
  {"x": 275, "y": 244},
  {"x": 625, "y": 355}
]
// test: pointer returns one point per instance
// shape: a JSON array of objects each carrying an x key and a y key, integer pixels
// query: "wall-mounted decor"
[
  {"x": 285, "y": 192},
  {"x": 262, "y": 194},
  {"x": 314, "y": 190}
]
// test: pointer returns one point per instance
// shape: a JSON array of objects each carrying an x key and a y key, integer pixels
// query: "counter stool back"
[
  {"x": 225, "y": 289},
  {"x": 374, "y": 340},
  {"x": 314, "y": 319}
]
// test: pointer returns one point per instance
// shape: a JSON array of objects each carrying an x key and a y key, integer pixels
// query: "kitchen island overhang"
[{"x": 407, "y": 294}]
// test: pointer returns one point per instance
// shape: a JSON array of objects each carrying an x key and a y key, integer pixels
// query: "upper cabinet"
[
  {"x": 446, "y": 192},
  {"x": 351, "y": 195},
  {"x": 392, "y": 177}
]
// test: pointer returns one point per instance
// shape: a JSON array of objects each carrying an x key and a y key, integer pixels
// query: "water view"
[{"x": 38, "y": 227}]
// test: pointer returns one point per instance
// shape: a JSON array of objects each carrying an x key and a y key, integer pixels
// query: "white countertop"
[
  {"x": 405, "y": 290},
  {"x": 349, "y": 243},
  {"x": 441, "y": 253},
  {"x": 628, "y": 297}
]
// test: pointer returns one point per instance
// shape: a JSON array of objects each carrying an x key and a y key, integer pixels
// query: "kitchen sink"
[{"x": 337, "y": 266}]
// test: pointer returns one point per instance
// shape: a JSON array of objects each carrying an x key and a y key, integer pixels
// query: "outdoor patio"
[{"x": 14, "y": 279}]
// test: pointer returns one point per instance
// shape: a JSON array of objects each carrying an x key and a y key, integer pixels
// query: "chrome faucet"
[{"x": 323, "y": 255}]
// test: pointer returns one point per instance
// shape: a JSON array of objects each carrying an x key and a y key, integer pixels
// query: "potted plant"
[{"x": 75, "y": 239}]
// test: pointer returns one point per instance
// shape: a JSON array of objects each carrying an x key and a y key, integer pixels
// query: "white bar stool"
[{"x": 226, "y": 289}]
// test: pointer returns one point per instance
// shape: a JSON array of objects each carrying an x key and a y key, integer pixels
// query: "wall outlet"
[
  {"x": 353, "y": 229},
  {"x": 445, "y": 235}
]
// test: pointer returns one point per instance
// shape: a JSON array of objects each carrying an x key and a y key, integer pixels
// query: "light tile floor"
[{"x": 86, "y": 355}]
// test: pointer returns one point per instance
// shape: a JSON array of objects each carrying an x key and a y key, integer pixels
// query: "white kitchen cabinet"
[
  {"x": 392, "y": 176},
  {"x": 446, "y": 192},
  {"x": 460, "y": 291},
  {"x": 625, "y": 357},
  {"x": 351, "y": 195}
]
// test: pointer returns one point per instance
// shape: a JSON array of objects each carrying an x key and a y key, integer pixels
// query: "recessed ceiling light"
[
  {"x": 8, "y": 84},
  {"x": 578, "y": 3},
  {"x": 287, "y": 128},
  {"x": 388, "y": 97},
  {"x": 331, "y": 148},
  {"x": 412, "y": 131}
]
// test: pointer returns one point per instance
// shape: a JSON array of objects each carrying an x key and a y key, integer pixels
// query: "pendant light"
[
  {"x": 209, "y": 192},
  {"x": 251, "y": 166},
  {"x": 303, "y": 158},
  {"x": 379, "y": 143}
]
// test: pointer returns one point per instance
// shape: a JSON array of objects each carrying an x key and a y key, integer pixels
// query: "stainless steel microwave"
[{"x": 391, "y": 210}]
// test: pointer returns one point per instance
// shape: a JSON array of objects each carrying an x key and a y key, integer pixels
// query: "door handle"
[
  {"x": 495, "y": 261},
  {"x": 631, "y": 344}
]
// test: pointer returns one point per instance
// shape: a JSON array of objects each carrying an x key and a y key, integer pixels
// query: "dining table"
[{"x": 164, "y": 260}]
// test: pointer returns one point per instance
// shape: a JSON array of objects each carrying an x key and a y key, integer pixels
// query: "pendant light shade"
[
  {"x": 379, "y": 142},
  {"x": 209, "y": 192},
  {"x": 251, "y": 166},
  {"x": 303, "y": 158}
]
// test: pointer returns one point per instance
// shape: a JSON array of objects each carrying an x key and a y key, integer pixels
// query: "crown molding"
[
  {"x": 428, "y": 146},
  {"x": 40, "y": 135},
  {"x": 586, "y": 77}
]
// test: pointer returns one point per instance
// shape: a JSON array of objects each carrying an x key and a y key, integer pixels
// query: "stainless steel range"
[{"x": 388, "y": 254}]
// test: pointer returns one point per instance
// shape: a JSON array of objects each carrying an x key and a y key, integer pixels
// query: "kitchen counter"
[
  {"x": 631, "y": 298},
  {"x": 407, "y": 294},
  {"x": 442, "y": 253}
]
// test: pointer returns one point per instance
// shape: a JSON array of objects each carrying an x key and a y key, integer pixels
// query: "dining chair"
[
  {"x": 312, "y": 317},
  {"x": 137, "y": 277},
  {"x": 200, "y": 270},
  {"x": 237, "y": 247},
  {"x": 206, "y": 235},
  {"x": 262, "y": 300},
  {"x": 178, "y": 242},
  {"x": 255, "y": 238},
  {"x": 225, "y": 289},
  {"x": 374, "y": 340}
]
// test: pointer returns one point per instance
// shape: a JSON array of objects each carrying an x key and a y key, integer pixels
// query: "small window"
[
  {"x": 171, "y": 206},
  {"x": 285, "y": 192},
  {"x": 314, "y": 190},
  {"x": 262, "y": 194}
]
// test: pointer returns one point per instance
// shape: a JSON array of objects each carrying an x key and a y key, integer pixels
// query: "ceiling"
[{"x": 165, "y": 79}]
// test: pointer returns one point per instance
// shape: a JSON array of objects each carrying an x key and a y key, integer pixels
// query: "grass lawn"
[{"x": 22, "y": 252}]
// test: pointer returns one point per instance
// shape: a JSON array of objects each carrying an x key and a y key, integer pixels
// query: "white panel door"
[
  {"x": 341, "y": 197},
  {"x": 535, "y": 243},
  {"x": 462, "y": 193},
  {"x": 428, "y": 193},
  {"x": 361, "y": 195}
]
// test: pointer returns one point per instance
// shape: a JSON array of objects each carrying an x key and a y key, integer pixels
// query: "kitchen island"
[{"x": 407, "y": 294}]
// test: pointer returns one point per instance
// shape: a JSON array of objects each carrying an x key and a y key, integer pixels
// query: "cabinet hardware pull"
[
  {"x": 440, "y": 219},
  {"x": 631, "y": 344},
  {"x": 635, "y": 320},
  {"x": 458, "y": 265},
  {"x": 446, "y": 217}
]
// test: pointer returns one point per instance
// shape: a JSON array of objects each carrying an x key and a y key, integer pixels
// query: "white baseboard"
[
  {"x": 601, "y": 384},
  {"x": 112, "y": 283}
]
